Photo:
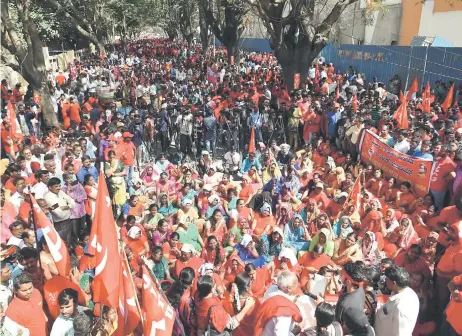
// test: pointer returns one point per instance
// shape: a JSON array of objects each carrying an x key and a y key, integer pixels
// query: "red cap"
[{"x": 127, "y": 135}]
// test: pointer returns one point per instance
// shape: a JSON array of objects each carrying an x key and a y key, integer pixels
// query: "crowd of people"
[{"x": 235, "y": 192}]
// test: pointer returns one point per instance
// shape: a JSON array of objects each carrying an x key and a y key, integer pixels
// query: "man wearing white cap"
[{"x": 187, "y": 258}]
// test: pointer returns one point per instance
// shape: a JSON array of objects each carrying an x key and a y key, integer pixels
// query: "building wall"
[
  {"x": 439, "y": 20},
  {"x": 410, "y": 21},
  {"x": 385, "y": 27}
]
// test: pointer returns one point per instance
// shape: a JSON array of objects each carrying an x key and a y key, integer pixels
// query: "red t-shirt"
[
  {"x": 127, "y": 152},
  {"x": 29, "y": 314},
  {"x": 449, "y": 215},
  {"x": 442, "y": 168}
]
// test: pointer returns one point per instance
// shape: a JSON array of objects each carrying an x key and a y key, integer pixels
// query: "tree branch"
[{"x": 333, "y": 16}]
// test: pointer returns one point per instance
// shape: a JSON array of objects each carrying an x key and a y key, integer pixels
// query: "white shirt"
[
  {"x": 63, "y": 325},
  {"x": 398, "y": 316},
  {"x": 402, "y": 147},
  {"x": 13, "y": 328},
  {"x": 153, "y": 90},
  {"x": 312, "y": 72},
  {"x": 16, "y": 199},
  {"x": 16, "y": 241},
  {"x": 40, "y": 189},
  {"x": 6, "y": 295},
  {"x": 61, "y": 199},
  {"x": 281, "y": 325}
]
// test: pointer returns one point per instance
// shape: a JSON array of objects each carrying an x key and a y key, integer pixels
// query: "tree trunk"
[
  {"x": 48, "y": 113},
  {"x": 232, "y": 47},
  {"x": 204, "y": 30},
  {"x": 296, "y": 60}
]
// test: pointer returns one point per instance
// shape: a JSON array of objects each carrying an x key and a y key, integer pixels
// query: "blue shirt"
[
  {"x": 246, "y": 164},
  {"x": 84, "y": 171},
  {"x": 124, "y": 110},
  {"x": 333, "y": 118},
  {"x": 420, "y": 155}
]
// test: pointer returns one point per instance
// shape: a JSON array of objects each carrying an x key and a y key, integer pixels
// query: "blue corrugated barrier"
[{"x": 425, "y": 63}]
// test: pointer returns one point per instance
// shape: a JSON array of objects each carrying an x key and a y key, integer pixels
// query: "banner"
[
  {"x": 211, "y": 76},
  {"x": 394, "y": 164},
  {"x": 297, "y": 81}
]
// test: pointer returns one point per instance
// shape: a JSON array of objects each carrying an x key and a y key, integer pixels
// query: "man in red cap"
[{"x": 127, "y": 149}]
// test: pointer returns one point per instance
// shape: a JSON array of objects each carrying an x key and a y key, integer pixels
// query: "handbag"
[{"x": 212, "y": 332}]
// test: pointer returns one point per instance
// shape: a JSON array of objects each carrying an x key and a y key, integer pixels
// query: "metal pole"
[
  {"x": 425, "y": 65},
  {"x": 408, "y": 69}
]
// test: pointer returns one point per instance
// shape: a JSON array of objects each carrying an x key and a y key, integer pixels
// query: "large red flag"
[
  {"x": 354, "y": 103},
  {"x": 105, "y": 247},
  {"x": 426, "y": 98},
  {"x": 412, "y": 89},
  {"x": 252, "y": 141},
  {"x": 448, "y": 100},
  {"x": 128, "y": 312},
  {"x": 159, "y": 315},
  {"x": 400, "y": 114},
  {"x": 15, "y": 130},
  {"x": 58, "y": 249}
]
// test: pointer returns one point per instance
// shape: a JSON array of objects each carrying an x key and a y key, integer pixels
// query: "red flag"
[
  {"x": 354, "y": 103},
  {"x": 426, "y": 99},
  {"x": 159, "y": 315},
  {"x": 448, "y": 100},
  {"x": 252, "y": 141},
  {"x": 15, "y": 130},
  {"x": 400, "y": 114},
  {"x": 337, "y": 92},
  {"x": 412, "y": 89},
  {"x": 317, "y": 74},
  {"x": 105, "y": 247},
  {"x": 56, "y": 285},
  {"x": 58, "y": 249},
  {"x": 128, "y": 312},
  {"x": 355, "y": 192}
]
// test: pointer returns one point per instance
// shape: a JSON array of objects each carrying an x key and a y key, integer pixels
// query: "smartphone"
[{"x": 55, "y": 206}]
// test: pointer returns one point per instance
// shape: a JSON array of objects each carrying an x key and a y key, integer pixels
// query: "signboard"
[{"x": 395, "y": 164}]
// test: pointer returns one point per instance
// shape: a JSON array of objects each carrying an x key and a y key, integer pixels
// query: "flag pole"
[
  {"x": 122, "y": 247},
  {"x": 153, "y": 277}
]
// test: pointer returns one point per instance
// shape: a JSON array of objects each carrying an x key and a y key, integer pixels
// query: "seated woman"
[
  {"x": 310, "y": 264},
  {"x": 246, "y": 250},
  {"x": 272, "y": 171},
  {"x": 187, "y": 259},
  {"x": 285, "y": 261},
  {"x": 216, "y": 226},
  {"x": 265, "y": 221},
  {"x": 150, "y": 175},
  {"x": 210, "y": 311},
  {"x": 171, "y": 249},
  {"x": 390, "y": 221},
  {"x": 336, "y": 205},
  {"x": 180, "y": 296},
  {"x": 375, "y": 184},
  {"x": 212, "y": 177},
  {"x": 254, "y": 177},
  {"x": 236, "y": 233},
  {"x": 231, "y": 268},
  {"x": 373, "y": 217},
  {"x": 400, "y": 239},
  {"x": 348, "y": 184},
  {"x": 389, "y": 191},
  {"x": 189, "y": 234},
  {"x": 260, "y": 279},
  {"x": 212, "y": 205},
  {"x": 137, "y": 242},
  {"x": 405, "y": 198},
  {"x": 213, "y": 253},
  {"x": 166, "y": 208},
  {"x": 428, "y": 245},
  {"x": 370, "y": 249},
  {"x": 271, "y": 245},
  {"x": 286, "y": 196},
  {"x": 161, "y": 234},
  {"x": 160, "y": 266},
  {"x": 283, "y": 214},
  {"x": 235, "y": 301},
  {"x": 348, "y": 250},
  {"x": 343, "y": 227},
  {"x": 46, "y": 260},
  {"x": 296, "y": 234},
  {"x": 324, "y": 238},
  {"x": 151, "y": 220},
  {"x": 309, "y": 210},
  {"x": 413, "y": 262}
]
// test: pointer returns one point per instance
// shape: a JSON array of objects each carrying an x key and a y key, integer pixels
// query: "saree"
[
  {"x": 116, "y": 184},
  {"x": 329, "y": 245},
  {"x": 294, "y": 237}
]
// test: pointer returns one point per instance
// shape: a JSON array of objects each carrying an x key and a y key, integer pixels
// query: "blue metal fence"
[{"x": 425, "y": 63}]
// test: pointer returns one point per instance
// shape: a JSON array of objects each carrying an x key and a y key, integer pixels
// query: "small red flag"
[
  {"x": 448, "y": 100},
  {"x": 58, "y": 249},
  {"x": 354, "y": 103},
  {"x": 426, "y": 98},
  {"x": 355, "y": 192},
  {"x": 159, "y": 315},
  {"x": 412, "y": 89},
  {"x": 337, "y": 91},
  {"x": 15, "y": 130},
  {"x": 400, "y": 114},
  {"x": 105, "y": 247},
  {"x": 252, "y": 141}
]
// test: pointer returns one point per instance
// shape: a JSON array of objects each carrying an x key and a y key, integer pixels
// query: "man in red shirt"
[
  {"x": 128, "y": 149},
  {"x": 442, "y": 175},
  {"x": 26, "y": 309}
]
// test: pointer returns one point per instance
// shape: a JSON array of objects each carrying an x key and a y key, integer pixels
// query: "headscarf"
[
  {"x": 213, "y": 198},
  {"x": 288, "y": 253},
  {"x": 134, "y": 232},
  {"x": 285, "y": 148},
  {"x": 204, "y": 268},
  {"x": 329, "y": 244},
  {"x": 346, "y": 231},
  {"x": 393, "y": 223},
  {"x": 376, "y": 201},
  {"x": 409, "y": 236},
  {"x": 246, "y": 239},
  {"x": 188, "y": 248},
  {"x": 370, "y": 251},
  {"x": 340, "y": 175},
  {"x": 286, "y": 206},
  {"x": 155, "y": 172},
  {"x": 265, "y": 207},
  {"x": 267, "y": 176}
]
